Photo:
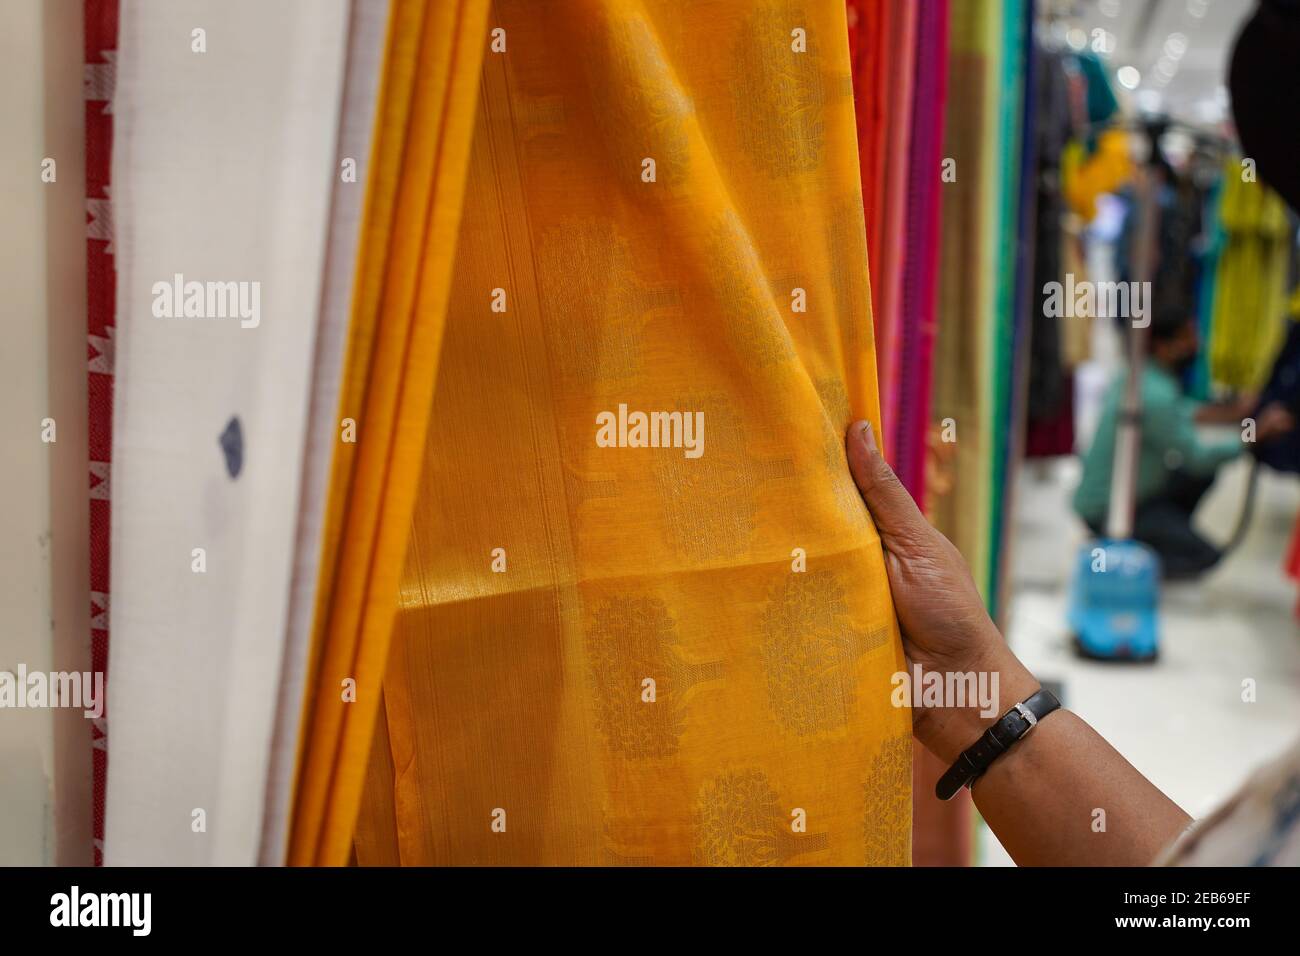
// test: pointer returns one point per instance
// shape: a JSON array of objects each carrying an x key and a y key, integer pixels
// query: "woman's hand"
[
  {"x": 1041, "y": 797},
  {"x": 940, "y": 612}
]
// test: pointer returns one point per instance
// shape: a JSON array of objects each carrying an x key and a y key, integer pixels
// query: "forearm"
[
  {"x": 1220, "y": 413},
  {"x": 1040, "y": 795},
  {"x": 1196, "y": 455},
  {"x": 1061, "y": 796}
]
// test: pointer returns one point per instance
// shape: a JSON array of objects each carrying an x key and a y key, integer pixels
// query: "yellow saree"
[{"x": 642, "y": 645}]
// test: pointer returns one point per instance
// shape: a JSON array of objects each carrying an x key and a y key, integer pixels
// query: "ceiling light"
[{"x": 1128, "y": 77}]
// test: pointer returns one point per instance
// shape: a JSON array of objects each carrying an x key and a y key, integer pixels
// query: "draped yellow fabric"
[
  {"x": 415, "y": 187},
  {"x": 1250, "y": 297},
  {"x": 607, "y": 653}
]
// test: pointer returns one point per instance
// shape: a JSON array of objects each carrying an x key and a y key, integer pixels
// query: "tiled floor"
[{"x": 1181, "y": 720}]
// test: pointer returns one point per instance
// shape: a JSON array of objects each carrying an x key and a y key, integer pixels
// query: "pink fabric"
[{"x": 897, "y": 167}]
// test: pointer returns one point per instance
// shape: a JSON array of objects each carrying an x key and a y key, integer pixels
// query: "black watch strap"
[{"x": 994, "y": 742}]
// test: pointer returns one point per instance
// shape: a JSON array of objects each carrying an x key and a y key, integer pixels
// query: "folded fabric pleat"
[
  {"x": 325, "y": 429},
  {"x": 426, "y": 110}
]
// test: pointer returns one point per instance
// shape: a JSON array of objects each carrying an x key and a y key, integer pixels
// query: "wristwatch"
[{"x": 975, "y": 759}]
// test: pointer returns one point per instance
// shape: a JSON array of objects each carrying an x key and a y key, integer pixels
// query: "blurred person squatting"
[{"x": 1176, "y": 465}]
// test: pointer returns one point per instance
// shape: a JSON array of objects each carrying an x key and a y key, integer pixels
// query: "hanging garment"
[
  {"x": 1076, "y": 336},
  {"x": 1174, "y": 284},
  {"x": 869, "y": 56},
  {"x": 417, "y": 185},
  {"x": 888, "y": 271},
  {"x": 940, "y": 829},
  {"x": 1048, "y": 374},
  {"x": 1087, "y": 176},
  {"x": 1210, "y": 245},
  {"x": 1009, "y": 239},
  {"x": 611, "y": 653},
  {"x": 921, "y": 263},
  {"x": 226, "y": 121},
  {"x": 962, "y": 399},
  {"x": 326, "y": 430},
  {"x": 1100, "y": 100},
  {"x": 1054, "y": 436},
  {"x": 883, "y": 49},
  {"x": 973, "y": 345},
  {"x": 959, "y": 445},
  {"x": 1250, "y": 295}
]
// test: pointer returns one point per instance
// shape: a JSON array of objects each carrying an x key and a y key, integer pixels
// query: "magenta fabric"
[
  {"x": 915, "y": 350},
  {"x": 101, "y": 284}
]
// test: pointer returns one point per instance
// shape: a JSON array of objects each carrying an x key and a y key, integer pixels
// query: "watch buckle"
[{"x": 1028, "y": 716}]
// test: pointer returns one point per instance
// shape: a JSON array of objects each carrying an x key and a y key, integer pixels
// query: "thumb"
[{"x": 898, "y": 519}]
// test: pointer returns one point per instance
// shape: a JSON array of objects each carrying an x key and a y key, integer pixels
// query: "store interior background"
[{"x": 1180, "y": 720}]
